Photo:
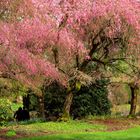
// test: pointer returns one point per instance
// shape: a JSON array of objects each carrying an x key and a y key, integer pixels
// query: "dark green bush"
[
  {"x": 91, "y": 100},
  {"x": 33, "y": 103},
  {"x": 54, "y": 99}
]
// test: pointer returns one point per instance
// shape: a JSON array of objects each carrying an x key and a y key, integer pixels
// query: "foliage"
[
  {"x": 15, "y": 106},
  {"x": 31, "y": 29},
  {"x": 121, "y": 66},
  {"x": 92, "y": 100},
  {"x": 11, "y": 88},
  {"x": 7, "y": 109},
  {"x": 33, "y": 102},
  {"x": 42, "y": 40},
  {"x": 54, "y": 99}
]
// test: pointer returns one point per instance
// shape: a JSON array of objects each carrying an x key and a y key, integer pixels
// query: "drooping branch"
[
  {"x": 85, "y": 62},
  {"x": 123, "y": 72},
  {"x": 94, "y": 46},
  {"x": 8, "y": 75}
]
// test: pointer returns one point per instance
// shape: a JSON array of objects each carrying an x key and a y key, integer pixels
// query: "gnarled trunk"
[
  {"x": 67, "y": 105},
  {"x": 133, "y": 102}
]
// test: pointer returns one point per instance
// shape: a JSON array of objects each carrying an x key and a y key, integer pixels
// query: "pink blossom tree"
[{"x": 61, "y": 39}]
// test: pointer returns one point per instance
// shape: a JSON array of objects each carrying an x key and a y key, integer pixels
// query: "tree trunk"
[
  {"x": 56, "y": 56},
  {"x": 133, "y": 102},
  {"x": 26, "y": 101},
  {"x": 41, "y": 106},
  {"x": 67, "y": 105}
]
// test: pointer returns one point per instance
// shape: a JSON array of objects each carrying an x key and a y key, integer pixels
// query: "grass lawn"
[
  {"x": 58, "y": 127},
  {"x": 131, "y": 134},
  {"x": 23, "y": 129},
  {"x": 73, "y": 130}
]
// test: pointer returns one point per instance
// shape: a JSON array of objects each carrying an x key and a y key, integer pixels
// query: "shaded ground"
[{"x": 110, "y": 123}]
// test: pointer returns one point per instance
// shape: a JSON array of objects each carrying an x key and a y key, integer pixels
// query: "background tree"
[{"x": 127, "y": 72}]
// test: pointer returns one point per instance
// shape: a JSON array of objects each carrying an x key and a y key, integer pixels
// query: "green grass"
[
  {"x": 11, "y": 133},
  {"x": 72, "y": 130},
  {"x": 131, "y": 134},
  {"x": 59, "y": 127}
]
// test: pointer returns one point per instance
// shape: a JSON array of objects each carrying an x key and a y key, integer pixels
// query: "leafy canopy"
[{"x": 29, "y": 29}]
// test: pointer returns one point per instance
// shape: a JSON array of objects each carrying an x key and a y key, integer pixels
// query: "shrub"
[
  {"x": 54, "y": 100},
  {"x": 6, "y": 112},
  {"x": 92, "y": 100}
]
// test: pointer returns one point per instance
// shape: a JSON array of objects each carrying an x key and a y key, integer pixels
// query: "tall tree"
[{"x": 84, "y": 34}]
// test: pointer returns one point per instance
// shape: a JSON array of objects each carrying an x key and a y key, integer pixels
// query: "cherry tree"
[{"x": 61, "y": 39}]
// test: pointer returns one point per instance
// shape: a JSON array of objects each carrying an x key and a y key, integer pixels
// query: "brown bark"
[
  {"x": 133, "y": 102},
  {"x": 56, "y": 56},
  {"x": 41, "y": 106},
  {"x": 26, "y": 101},
  {"x": 67, "y": 104},
  {"x": 85, "y": 62},
  {"x": 77, "y": 60}
]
